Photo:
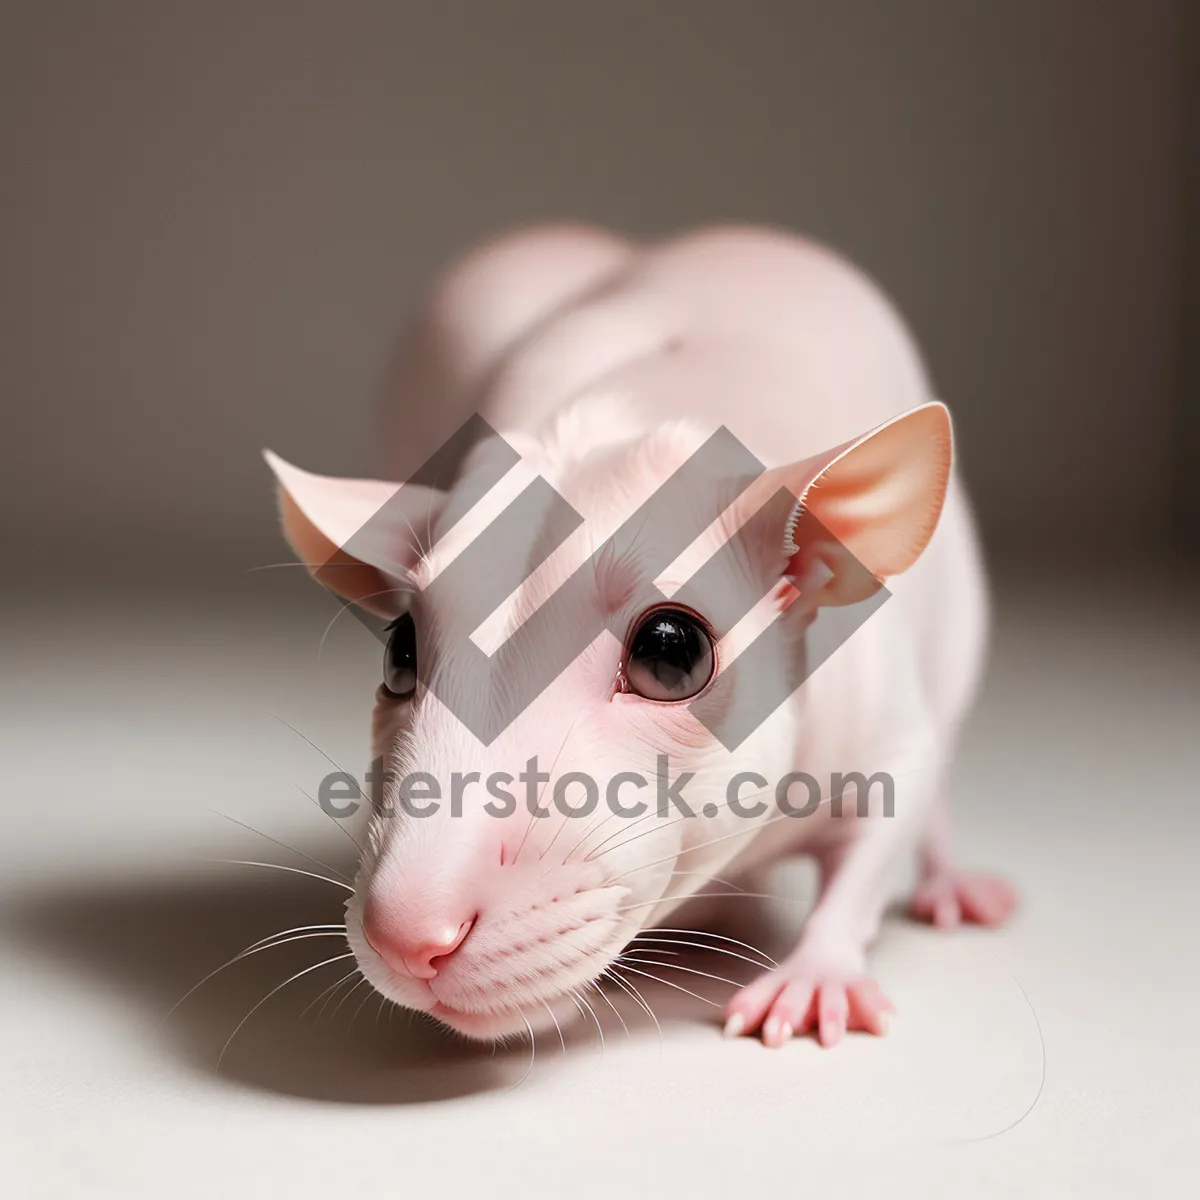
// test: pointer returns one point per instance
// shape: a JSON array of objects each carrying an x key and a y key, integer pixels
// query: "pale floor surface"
[{"x": 1058, "y": 1057}]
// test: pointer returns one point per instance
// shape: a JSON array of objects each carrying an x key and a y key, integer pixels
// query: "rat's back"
[{"x": 798, "y": 348}]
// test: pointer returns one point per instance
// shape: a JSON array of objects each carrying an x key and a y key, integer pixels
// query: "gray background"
[{"x": 216, "y": 217}]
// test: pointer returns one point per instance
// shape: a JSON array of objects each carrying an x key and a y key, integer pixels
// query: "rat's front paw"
[
  {"x": 809, "y": 991},
  {"x": 947, "y": 898}
]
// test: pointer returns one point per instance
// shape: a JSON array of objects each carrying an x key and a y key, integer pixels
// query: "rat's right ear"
[
  {"x": 356, "y": 536},
  {"x": 865, "y": 510}
]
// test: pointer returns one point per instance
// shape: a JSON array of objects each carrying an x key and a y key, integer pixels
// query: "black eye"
[
  {"x": 400, "y": 658},
  {"x": 670, "y": 656}
]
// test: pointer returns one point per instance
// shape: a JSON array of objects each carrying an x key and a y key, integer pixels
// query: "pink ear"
[
  {"x": 356, "y": 536},
  {"x": 868, "y": 508}
]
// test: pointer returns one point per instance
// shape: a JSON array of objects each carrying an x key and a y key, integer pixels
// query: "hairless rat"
[{"x": 608, "y": 367}]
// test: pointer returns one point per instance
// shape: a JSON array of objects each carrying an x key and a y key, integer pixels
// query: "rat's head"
[{"x": 566, "y": 687}]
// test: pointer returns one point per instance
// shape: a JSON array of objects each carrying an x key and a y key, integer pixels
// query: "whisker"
[
  {"x": 272, "y": 992},
  {"x": 757, "y": 824},
  {"x": 603, "y": 819},
  {"x": 245, "y": 862},
  {"x": 532, "y": 1052},
  {"x": 538, "y": 802},
  {"x": 754, "y": 828},
  {"x": 305, "y": 738},
  {"x": 650, "y": 962},
  {"x": 255, "y": 948},
  {"x": 717, "y": 936},
  {"x": 332, "y": 987},
  {"x": 601, "y": 822},
  {"x": 592, "y": 854},
  {"x": 311, "y": 566},
  {"x": 334, "y": 991},
  {"x": 408, "y": 591},
  {"x": 270, "y": 944},
  {"x": 346, "y": 996},
  {"x": 282, "y": 845},
  {"x": 592, "y": 1011},
  {"x": 562, "y": 1041},
  {"x": 610, "y": 972},
  {"x": 337, "y": 824},
  {"x": 605, "y": 997},
  {"x": 667, "y": 983},
  {"x": 566, "y": 818},
  {"x": 416, "y": 541},
  {"x": 285, "y": 932},
  {"x": 528, "y": 828},
  {"x": 433, "y": 492},
  {"x": 705, "y": 875},
  {"x": 362, "y": 1005}
]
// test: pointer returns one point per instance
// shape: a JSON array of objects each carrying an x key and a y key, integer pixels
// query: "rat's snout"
[{"x": 412, "y": 947}]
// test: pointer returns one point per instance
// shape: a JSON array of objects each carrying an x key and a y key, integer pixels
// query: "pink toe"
[
  {"x": 987, "y": 900},
  {"x": 869, "y": 1007},
  {"x": 946, "y": 912},
  {"x": 832, "y": 1014},
  {"x": 751, "y": 1004},
  {"x": 794, "y": 1004},
  {"x": 776, "y": 1031}
]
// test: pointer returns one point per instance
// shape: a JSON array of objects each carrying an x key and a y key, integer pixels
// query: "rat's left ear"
[
  {"x": 866, "y": 509},
  {"x": 356, "y": 536}
]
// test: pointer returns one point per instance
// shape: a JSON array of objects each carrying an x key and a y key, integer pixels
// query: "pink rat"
[{"x": 607, "y": 366}]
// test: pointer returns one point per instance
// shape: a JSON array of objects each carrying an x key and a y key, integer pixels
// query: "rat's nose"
[{"x": 412, "y": 950}]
